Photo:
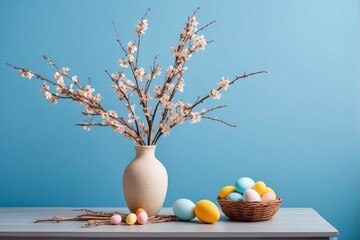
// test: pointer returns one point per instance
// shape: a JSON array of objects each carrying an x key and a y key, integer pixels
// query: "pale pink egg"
[
  {"x": 142, "y": 217},
  {"x": 250, "y": 195},
  {"x": 269, "y": 196},
  {"x": 115, "y": 219}
]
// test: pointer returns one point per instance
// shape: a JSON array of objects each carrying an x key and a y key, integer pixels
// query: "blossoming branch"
[{"x": 157, "y": 106}]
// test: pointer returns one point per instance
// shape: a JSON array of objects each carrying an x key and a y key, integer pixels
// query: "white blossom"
[
  {"x": 132, "y": 118},
  {"x": 141, "y": 27},
  {"x": 224, "y": 83},
  {"x": 169, "y": 71},
  {"x": 130, "y": 58},
  {"x": 131, "y": 107},
  {"x": 147, "y": 111},
  {"x": 200, "y": 43},
  {"x": 181, "y": 85},
  {"x": 157, "y": 90},
  {"x": 74, "y": 79},
  {"x": 120, "y": 129},
  {"x": 47, "y": 95},
  {"x": 157, "y": 71},
  {"x": 26, "y": 73},
  {"x": 53, "y": 99},
  {"x": 45, "y": 87},
  {"x": 145, "y": 97},
  {"x": 215, "y": 94},
  {"x": 123, "y": 63},
  {"x": 139, "y": 73},
  {"x": 88, "y": 91},
  {"x": 169, "y": 87},
  {"x": 165, "y": 128},
  {"x": 87, "y": 128},
  {"x": 132, "y": 47},
  {"x": 195, "y": 117},
  {"x": 65, "y": 71},
  {"x": 70, "y": 89},
  {"x": 164, "y": 99},
  {"x": 113, "y": 113}
]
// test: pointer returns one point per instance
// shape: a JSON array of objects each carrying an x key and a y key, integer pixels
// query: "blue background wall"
[{"x": 298, "y": 126}]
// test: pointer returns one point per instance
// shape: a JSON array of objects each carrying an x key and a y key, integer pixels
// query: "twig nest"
[{"x": 115, "y": 219}]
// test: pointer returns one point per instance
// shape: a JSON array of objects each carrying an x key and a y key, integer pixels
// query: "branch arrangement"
[
  {"x": 94, "y": 218},
  {"x": 159, "y": 108}
]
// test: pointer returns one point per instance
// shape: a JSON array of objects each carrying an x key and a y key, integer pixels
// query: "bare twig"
[
  {"x": 118, "y": 38},
  {"x": 219, "y": 120}
]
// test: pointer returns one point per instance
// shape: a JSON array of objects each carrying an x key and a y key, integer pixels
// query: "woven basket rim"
[{"x": 278, "y": 199}]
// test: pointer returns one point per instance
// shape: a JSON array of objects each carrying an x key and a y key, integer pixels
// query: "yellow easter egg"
[
  {"x": 260, "y": 187},
  {"x": 270, "y": 190},
  {"x": 207, "y": 212},
  {"x": 131, "y": 219},
  {"x": 226, "y": 191}
]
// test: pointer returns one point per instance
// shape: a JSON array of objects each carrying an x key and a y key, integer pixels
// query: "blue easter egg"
[
  {"x": 184, "y": 209},
  {"x": 234, "y": 196},
  {"x": 244, "y": 183}
]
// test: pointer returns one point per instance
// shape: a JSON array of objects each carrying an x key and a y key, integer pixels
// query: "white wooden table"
[{"x": 288, "y": 223}]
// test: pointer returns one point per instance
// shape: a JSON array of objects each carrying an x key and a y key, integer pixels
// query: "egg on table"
[
  {"x": 142, "y": 217},
  {"x": 115, "y": 219},
  {"x": 184, "y": 209},
  {"x": 131, "y": 219},
  {"x": 206, "y": 211}
]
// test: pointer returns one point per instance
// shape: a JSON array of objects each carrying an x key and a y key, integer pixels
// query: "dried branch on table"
[{"x": 94, "y": 218}]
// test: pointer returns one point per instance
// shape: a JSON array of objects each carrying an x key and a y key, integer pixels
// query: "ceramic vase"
[{"x": 145, "y": 181}]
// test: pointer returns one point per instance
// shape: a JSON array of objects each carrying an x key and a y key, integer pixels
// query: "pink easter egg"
[
  {"x": 115, "y": 219},
  {"x": 142, "y": 217},
  {"x": 269, "y": 196}
]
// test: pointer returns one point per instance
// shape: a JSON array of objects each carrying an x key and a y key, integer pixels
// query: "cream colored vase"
[{"x": 145, "y": 181}]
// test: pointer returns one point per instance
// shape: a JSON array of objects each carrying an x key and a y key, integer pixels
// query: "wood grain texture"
[{"x": 288, "y": 223}]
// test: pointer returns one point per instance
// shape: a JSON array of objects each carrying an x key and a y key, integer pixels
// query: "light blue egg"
[
  {"x": 234, "y": 196},
  {"x": 184, "y": 209},
  {"x": 244, "y": 183}
]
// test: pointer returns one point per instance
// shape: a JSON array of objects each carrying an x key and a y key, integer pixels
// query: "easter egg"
[
  {"x": 184, "y": 209},
  {"x": 244, "y": 183},
  {"x": 260, "y": 187},
  {"x": 139, "y": 210},
  {"x": 235, "y": 196},
  {"x": 226, "y": 191},
  {"x": 115, "y": 219},
  {"x": 207, "y": 212},
  {"x": 142, "y": 217},
  {"x": 269, "y": 196},
  {"x": 251, "y": 195},
  {"x": 131, "y": 219},
  {"x": 270, "y": 190}
]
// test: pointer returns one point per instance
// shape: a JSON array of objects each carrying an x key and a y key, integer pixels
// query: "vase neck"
[{"x": 145, "y": 151}]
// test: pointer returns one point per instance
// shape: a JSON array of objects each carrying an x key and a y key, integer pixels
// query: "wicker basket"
[{"x": 249, "y": 211}]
